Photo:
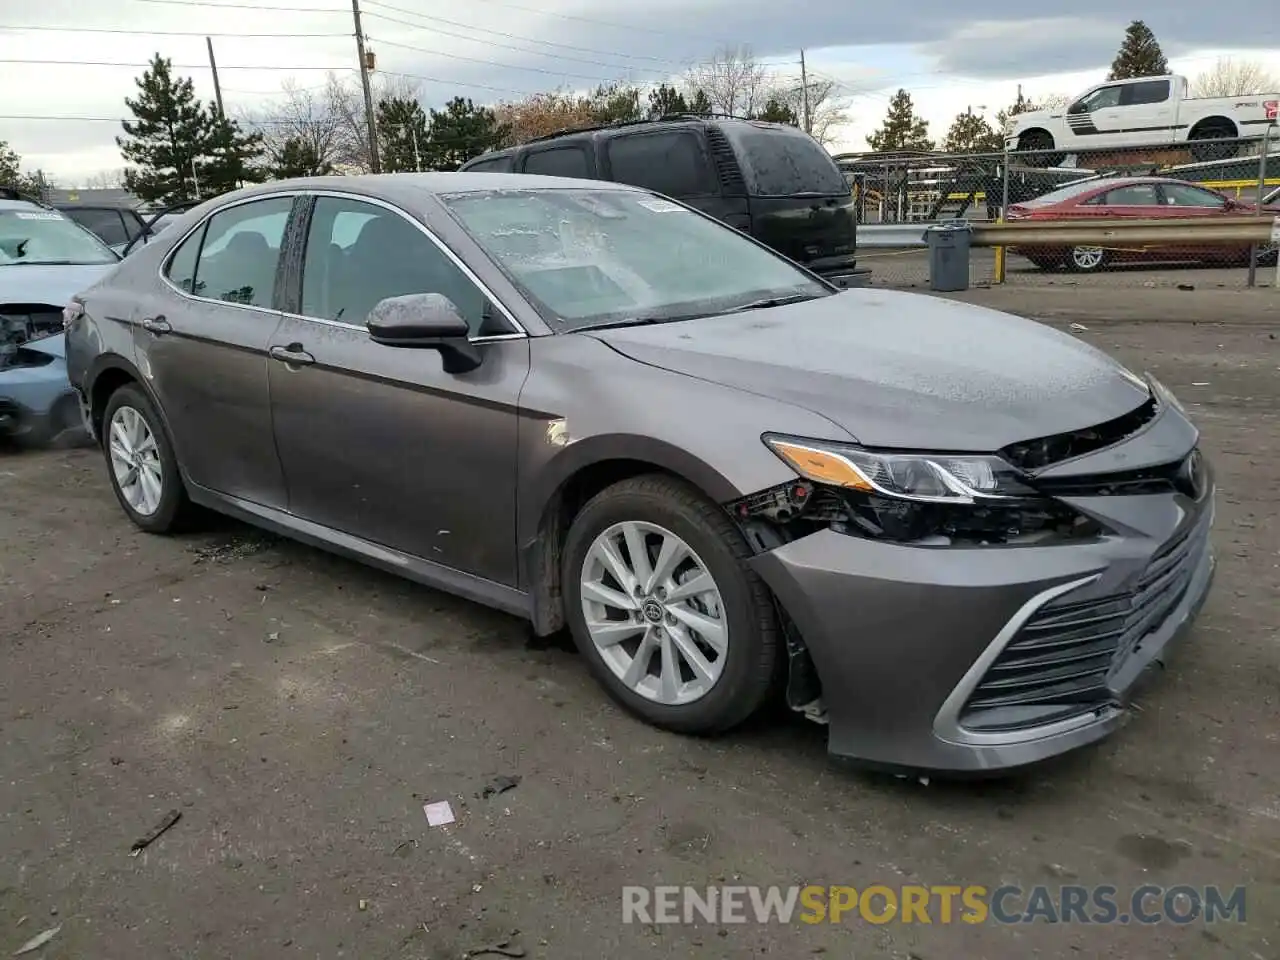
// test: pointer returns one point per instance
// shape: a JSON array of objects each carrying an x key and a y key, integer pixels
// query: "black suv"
[
  {"x": 115, "y": 225},
  {"x": 768, "y": 180}
]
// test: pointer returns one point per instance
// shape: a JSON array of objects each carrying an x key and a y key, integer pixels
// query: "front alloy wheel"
[
  {"x": 665, "y": 608},
  {"x": 654, "y": 613}
]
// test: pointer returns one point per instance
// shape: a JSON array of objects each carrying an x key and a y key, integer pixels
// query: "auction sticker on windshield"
[
  {"x": 661, "y": 206},
  {"x": 39, "y": 216}
]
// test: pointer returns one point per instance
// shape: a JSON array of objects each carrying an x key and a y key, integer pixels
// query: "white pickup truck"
[{"x": 1142, "y": 112}]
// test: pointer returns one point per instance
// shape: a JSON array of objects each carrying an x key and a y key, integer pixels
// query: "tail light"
[{"x": 72, "y": 312}]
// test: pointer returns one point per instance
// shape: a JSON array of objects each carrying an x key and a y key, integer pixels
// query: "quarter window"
[
  {"x": 239, "y": 254},
  {"x": 1180, "y": 195},
  {"x": 558, "y": 162},
  {"x": 182, "y": 265},
  {"x": 671, "y": 163},
  {"x": 359, "y": 254}
]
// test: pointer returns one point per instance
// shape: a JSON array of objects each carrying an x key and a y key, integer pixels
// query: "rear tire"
[
  {"x": 1046, "y": 261},
  {"x": 1037, "y": 143},
  {"x": 141, "y": 463},
  {"x": 1203, "y": 147},
  {"x": 1087, "y": 259},
  {"x": 640, "y": 628}
]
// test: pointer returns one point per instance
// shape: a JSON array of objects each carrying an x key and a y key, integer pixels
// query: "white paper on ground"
[{"x": 438, "y": 813}]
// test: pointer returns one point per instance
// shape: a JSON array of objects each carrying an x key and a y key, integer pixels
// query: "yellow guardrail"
[{"x": 1111, "y": 231}]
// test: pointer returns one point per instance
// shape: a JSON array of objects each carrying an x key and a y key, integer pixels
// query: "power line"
[
  {"x": 180, "y": 66},
  {"x": 499, "y": 33},
  {"x": 168, "y": 33},
  {"x": 507, "y": 46},
  {"x": 502, "y": 3},
  {"x": 490, "y": 63}
]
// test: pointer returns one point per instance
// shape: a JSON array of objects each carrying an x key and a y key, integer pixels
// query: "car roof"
[
  {"x": 408, "y": 188},
  {"x": 18, "y": 205}
]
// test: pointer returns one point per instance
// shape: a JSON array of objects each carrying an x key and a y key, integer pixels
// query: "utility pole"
[
  {"x": 417, "y": 158},
  {"x": 804, "y": 94},
  {"x": 375, "y": 165},
  {"x": 217, "y": 87}
]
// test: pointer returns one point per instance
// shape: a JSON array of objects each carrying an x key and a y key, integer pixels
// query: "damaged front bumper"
[{"x": 971, "y": 658}]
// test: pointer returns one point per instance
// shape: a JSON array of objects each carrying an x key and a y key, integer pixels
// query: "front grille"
[
  {"x": 1186, "y": 476},
  {"x": 1059, "y": 664}
]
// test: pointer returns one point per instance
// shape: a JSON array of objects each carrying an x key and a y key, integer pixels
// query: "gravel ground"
[{"x": 299, "y": 710}]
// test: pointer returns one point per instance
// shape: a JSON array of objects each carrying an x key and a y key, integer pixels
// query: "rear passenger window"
[
  {"x": 672, "y": 163},
  {"x": 105, "y": 222},
  {"x": 559, "y": 162},
  {"x": 240, "y": 253}
]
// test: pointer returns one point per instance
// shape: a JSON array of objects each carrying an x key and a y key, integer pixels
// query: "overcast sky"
[{"x": 949, "y": 55}]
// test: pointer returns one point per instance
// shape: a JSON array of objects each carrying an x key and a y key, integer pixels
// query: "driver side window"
[
  {"x": 360, "y": 253},
  {"x": 1100, "y": 99}
]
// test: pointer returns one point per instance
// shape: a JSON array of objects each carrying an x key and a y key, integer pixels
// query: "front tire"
[
  {"x": 141, "y": 463},
  {"x": 664, "y": 609},
  {"x": 1037, "y": 144}
]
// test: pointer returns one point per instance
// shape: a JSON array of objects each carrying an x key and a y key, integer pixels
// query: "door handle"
[
  {"x": 157, "y": 325},
  {"x": 293, "y": 355}
]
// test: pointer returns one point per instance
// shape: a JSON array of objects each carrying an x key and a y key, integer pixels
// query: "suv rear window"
[{"x": 782, "y": 163}]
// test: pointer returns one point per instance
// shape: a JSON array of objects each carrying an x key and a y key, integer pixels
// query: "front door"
[
  {"x": 202, "y": 343},
  {"x": 380, "y": 442}
]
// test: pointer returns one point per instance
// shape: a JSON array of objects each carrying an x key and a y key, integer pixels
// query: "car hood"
[
  {"x": 898, "y": 369},
  {"x": 53, "y": 284}
]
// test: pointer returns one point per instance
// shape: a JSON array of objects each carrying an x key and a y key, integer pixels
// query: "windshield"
[
  {"x": 46, "y": 236},
  {"x": 784, "y": 162},
  {"x": 586, "y": 257}
]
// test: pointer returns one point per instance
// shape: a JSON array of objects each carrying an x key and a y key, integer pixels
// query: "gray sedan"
[{"x": 956, "y": 537}]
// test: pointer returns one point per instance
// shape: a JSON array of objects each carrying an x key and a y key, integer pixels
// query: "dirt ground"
[{"x": 298, "y": 710}]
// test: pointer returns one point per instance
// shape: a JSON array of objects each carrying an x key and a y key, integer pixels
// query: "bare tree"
[
  {"x": 302, "y": 117},
  {"x": 1234, "y": 78},
  {"x": 826, "y": 111},
  {"x": 732, "y": 79},
  {"x": 105, "y": 180}
]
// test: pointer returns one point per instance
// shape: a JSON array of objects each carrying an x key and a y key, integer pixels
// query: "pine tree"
[
  {"x": 232, "y": 157},
  {"x": 776, "y": 111},
  {"x": 459, "y": 132},
  {"x": 170, "y": 134},
  {"x": 11, "y": 174},
  {"x": 402, "y": 133},
  {"x": 970, "y": 133},
  {"x": 1140, "y": 55},
  {"x": 616, "y": 103},
  {"x": 665, "y": 101},
  {"x": 699, "y": 103},
  {"x": 294, "y": 157},
  {"x": 902, "y": 129}
]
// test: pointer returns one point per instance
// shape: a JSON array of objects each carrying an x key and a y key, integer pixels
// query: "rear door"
[{"x": 800, "y": 203}]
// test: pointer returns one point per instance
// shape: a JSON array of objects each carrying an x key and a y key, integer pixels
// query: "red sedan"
[{"x": 1146, "y": 197}]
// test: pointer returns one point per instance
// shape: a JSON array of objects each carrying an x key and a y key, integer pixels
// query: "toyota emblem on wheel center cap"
[{"x": 652, "y": 610}]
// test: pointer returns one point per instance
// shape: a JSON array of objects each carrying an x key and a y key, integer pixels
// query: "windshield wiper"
[
  {"x": 635, "y": 322},
  {"x": 772, "y": 302},
  {"x": 44, "y": 263}
]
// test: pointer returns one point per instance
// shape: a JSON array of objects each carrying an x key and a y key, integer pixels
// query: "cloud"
[{"x": 501, "y": 49}]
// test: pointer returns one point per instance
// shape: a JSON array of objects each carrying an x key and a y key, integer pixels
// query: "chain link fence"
[{"x": 899, "y": 196}]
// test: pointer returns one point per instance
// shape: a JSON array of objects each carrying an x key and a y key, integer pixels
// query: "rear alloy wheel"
[
  {"x": 663, "y": 607},
  {"x": 144, "y": 472},
  {"x": 1203, "y": 145},
  {"x": 1087, "y": 259}
]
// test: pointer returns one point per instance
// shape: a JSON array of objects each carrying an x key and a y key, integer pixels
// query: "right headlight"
[{"x": 920, "y": 477}]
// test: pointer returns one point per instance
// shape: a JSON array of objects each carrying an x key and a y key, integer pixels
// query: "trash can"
[{"x": 948, "y": 256}]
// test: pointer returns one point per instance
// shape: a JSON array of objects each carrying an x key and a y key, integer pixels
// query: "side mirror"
[
  {"x": 1076, "y": 108},
  {"x": 425, "y": 321}
]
